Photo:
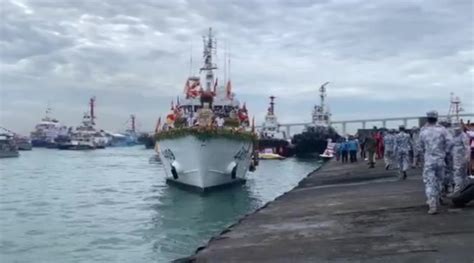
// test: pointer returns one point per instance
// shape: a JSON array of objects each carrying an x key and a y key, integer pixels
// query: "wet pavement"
[{"x": 348, "y": 213}]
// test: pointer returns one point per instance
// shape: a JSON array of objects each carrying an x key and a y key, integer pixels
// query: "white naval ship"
[{"x": 206, "y": 141}]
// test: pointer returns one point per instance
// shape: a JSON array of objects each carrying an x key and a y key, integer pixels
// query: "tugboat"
[
  {"x": 206, "y": 142},
  {"x": 314, "y": 138},
  {"x": 85, "y": 136},
  {"x": 8, "y": 148},
  {"x": 47, "y": 131},
  {"x": 273, "y": 143}
]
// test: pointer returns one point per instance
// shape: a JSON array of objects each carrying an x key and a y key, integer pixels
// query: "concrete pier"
[{"x": 347, "y": 213}]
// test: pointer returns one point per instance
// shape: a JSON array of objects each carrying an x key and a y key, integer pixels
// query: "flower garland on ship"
[{"x": 206, "y": 125}]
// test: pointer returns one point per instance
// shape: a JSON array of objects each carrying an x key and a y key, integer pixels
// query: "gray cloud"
[{"x": 137, "y": 53}]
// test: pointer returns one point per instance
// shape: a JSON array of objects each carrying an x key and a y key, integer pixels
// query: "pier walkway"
[{"x": 347, "y": 213}]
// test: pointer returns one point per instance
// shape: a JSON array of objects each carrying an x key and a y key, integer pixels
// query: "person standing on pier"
[
  {"x": 353, "y": 146},
  {"x": 344, "y": 150},
  {"x": 434, "y": 144},
  {"x": 402, "y": 148},
  {"x": 388, "y": 141},
  {"x": 371, "y": 146},
  {"x": 415, "y": 137},
  {"x": 461, "y": 156}
]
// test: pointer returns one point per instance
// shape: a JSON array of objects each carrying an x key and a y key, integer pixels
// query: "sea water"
[{"x": 113, "y": 205}]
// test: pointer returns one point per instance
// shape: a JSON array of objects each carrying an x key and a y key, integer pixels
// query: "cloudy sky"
[{"x": 383, "y": 58}]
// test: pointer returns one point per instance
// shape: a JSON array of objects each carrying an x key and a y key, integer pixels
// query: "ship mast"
[
  {"x": 92, "y": 105},
  {"x": 209, "y": 47},
  {"x": 322, "y": 95},
  {"x": 133, "y": 122},
  {"x": 272, "y": 105},
  {"x": 454, "y": 109}
]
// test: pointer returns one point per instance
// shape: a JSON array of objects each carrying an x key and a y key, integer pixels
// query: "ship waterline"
[{"x": 205, "y": 164}]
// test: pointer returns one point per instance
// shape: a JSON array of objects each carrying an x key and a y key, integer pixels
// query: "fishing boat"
[
  {"x": 272, "y": 142},
  {"x": 314, "y": 138},
  {"x": 8, "y": 148},
  {"x": 206, "y": 141},
  {"x": 46, "y": 131}
]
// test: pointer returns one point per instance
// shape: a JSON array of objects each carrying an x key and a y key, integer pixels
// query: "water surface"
[{"x": 114, "y": 205}]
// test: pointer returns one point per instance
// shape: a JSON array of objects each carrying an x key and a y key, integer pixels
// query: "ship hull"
[
  {"x": 205, "y": 164},
  {"x": 313, "y": 142},
  {"x": 9, "y": 154},
  {"x": 43, "y": 144}
]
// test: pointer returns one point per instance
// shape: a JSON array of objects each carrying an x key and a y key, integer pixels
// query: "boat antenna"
[
  {"x": 48, "y": 109},
  {"x": 228, "y": 61},
  {"x": 191, "y": 60},
  {"x": 225, "y": 63}
]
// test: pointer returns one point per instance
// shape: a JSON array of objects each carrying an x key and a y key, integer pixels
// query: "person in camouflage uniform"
[
  {"x": 388, "y": 141},
  {"x": 461, "y": 156},
  {"x": 434, "y": 144},
  {"x": 415, "y": 138},
  {"x": 402, "y": 148},
  {"x": 449, "y": 169}
]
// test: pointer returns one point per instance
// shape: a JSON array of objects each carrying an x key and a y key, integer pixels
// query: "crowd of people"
[{"x": 446, "y": 153}]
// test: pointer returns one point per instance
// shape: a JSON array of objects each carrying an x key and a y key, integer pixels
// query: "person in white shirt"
[{"x": 220, "y": 122}]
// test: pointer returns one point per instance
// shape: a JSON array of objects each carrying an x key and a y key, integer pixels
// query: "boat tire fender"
[
  {"x": 233, "y": 174},
  {"x": 174, "y": 173}
]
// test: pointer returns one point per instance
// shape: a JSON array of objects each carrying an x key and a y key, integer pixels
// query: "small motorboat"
[{"x": 329, "y": 152}]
